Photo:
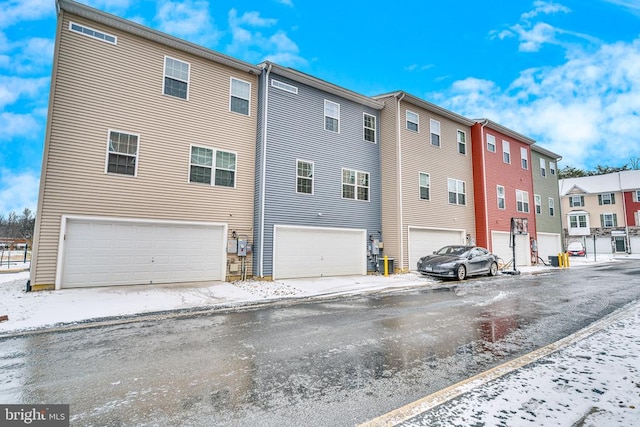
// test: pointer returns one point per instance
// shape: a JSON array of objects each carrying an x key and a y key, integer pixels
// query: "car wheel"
[
  {"x": 461, "y": 272},
  {"x": 493, "y": 270}
]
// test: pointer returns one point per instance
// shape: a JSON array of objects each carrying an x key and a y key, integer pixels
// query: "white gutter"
[
  {"x": 399, "y": 130},
  {"x": 484, "y": 184},
  {"x": 263, "y": 183}
]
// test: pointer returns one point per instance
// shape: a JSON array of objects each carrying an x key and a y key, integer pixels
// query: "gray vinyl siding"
[
  {"x": 101, "y": 87},
  {"x": 296, "y": 132},
  {"x": 546, "y": 187}
]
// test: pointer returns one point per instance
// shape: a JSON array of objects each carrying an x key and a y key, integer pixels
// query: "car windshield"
[{"x": 452, "y": 250}]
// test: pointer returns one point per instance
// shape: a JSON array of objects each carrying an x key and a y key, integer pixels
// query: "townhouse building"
[{"x": 546, "y": 201}]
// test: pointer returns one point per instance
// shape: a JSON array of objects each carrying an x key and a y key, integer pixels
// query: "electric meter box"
[{"x": 242, "y": 247}]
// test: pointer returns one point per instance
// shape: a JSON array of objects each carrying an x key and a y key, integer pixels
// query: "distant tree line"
[
  {"x": 571, "y": 172},
  {"x": 15, "y": 226}
]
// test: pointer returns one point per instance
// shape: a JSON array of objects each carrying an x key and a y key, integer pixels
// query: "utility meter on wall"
[{"x": 242, "y": 247}]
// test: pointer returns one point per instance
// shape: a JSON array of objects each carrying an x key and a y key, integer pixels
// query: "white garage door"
[
  {"x": 634, "y": 242},
  {"x": 107, "y": 252},
  {"x": 549, "y": 244},
  {"x": 318, "y": 252},
  {"x": 500, "y": 246},
  {"x": 423, "y": 241}
]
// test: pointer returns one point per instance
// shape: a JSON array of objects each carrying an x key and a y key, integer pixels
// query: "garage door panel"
[
  {"x": 500, "y": 241},
  {"x": 425, "y": 241},
  {"x": 549, "y": 244}
]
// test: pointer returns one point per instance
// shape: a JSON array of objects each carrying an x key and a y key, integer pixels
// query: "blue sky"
[{"x": 566, "y": 73}]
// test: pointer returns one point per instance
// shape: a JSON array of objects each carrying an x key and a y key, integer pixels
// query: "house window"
[
  {"x": 202, "y": 167},
  {"x": 609, "y": 220},
  {"x": 576, "y": 201},
  {"x": 331, "y": 116},
  {"x": 522, "y": 201},
  {"x": 457, "y": 191},
  {"x": 501, "y": 200},
  {"x": 462, "y": 142},
  {"x": 90, "y": 32},
  {"x": 577, "y": 221},
  {"x": 538, "y": 202},
  {"x": 552, "y": 168},
  {"x": 506, "y": 152},
  {"x": 543, "y": 167},
  {"x": 176, "y": 78},
  {"x": 434, "y": 126},
  {"x": 606, "y": 199},
  {"x": 304, "y": 177},
  {"x": 122, "y": 153},
  {"x": 425, "y": 183},
  {"x": 637, "y": 195},
  {"x": 412, "y": 121},
  {"x": 355, "y": 184},
  {"x": 524, "y": 158},
  {"x": 284, "y": 86},
  {"x": 369, "y": 127},
  {"x": 552, "y": 205},
  {"x": 240, "y": 95},
  {"x": 491, "y": 143}
]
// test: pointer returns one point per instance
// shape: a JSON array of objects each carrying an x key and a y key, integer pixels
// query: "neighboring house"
[
  {"x": 318, "y": 194},
  {"x": 503, "y": 183},
  {"x": 546, "y": 201},
  {"x": 149, "y": 158},
  {"x": 601, "y": 211},
  {"x": 427, "y": 179}
]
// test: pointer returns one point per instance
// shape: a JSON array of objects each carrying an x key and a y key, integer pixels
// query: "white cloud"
[
  {"x": 14, "y": 88},
  {"x": 286, "y": 2},
  {"x": 250, "y": 18},
  {"x": 114, "y": 6},
  {"x": 189, "y": 19},
  {"x": 18, "y": 190},
  {"x": 18, "y": 125},
  {"x": 544, "y": 8},
  {"x": 16, "y": 11},
  {"x": 632, "y": 5},
  {"x": 416, "y": 67}
]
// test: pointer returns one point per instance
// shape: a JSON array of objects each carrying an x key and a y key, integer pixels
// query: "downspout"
[
  {"x": 263, "y": 178},
  {"x": 484, "y": 184},
  {"x": 399, "y": 178}
]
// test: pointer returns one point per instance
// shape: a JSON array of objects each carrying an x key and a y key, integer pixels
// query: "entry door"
[{"x": 620, "y": 244}]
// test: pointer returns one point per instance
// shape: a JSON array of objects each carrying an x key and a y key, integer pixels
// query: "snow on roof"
[
  {"x": 630, "y": 180},
  {"x": 590, "y": 184}
]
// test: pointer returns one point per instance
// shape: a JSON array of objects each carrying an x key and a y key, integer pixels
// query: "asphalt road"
[{"x": 341, "y": 362}]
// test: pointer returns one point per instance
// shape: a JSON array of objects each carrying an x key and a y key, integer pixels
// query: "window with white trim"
[
  {"x": 501, "y": 197},
  {"x": 95, "y": 34},
  {"x": 176, "y": 78},
  {"x": 522, "y": 201},
  {"x": 434, "y": 128},
  {"x": 369, "y": 127},
  {"x": 637, "y": 195},
  {"x": 457, "y": 191},
  {"x": 331, "y": 116},
  {"x": 552, "y": 168},
  {"x": 608, "y": 220},
  {"x": 203, "y": 169},
  {"x": 122, "y": 153},
  {"x": 552, "y": 206},
  {"x": 606, "y": 199},
  {"x": 524, "y": 158},
  {"x": 538, "y": 202},
  {"x": 425, "y": 184},
  {"x": 284, "y": 86},
  {"x": 240, "y": 96},
  {"x": 412, "y": 121},
  {"x": 304, "y": 177},
  {"x": 491, "y": 143},
  {"x": 543, "y": 167},
  {"x": 506, "y": 151},
  {"x": 355, "y": 184},
  {"x": 462, "y": 142},
  {"x": 576, "y": 201},
  {"x": 577, "y": 221}
]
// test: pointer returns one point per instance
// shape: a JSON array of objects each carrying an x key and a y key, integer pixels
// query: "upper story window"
[
  {"x": 578, "y": 221},
  {"x": 538, "y": 202},
  {"x": 543, "y": 167},
  {"x": 412, "y": 121},
  {"x": 576, "y": 201},
  {"x": 606, "y": 199},
  {"x": 425, "y": 184},
  {"x": 355, "y": 184},
  {"x": 122, "y": 153},
  {"x": 501, "y": 199},
  {"x": 304, "y": 177},
  {"x": 552, "y": 206},
  {"x": 636, "y": 196},
  {"x": 90, "y": 32},
  {"x": 462, "y": 142},
  {"x": 506, "y": 151},
  {"x": 240, "y": 96},
  {"x": 608, "y": 220},
  {"x": 524, "y": 158},
  {"x": 552, "y": 168},
  {"x": 176, "y": 78},
  {"x": 491, "y": 143},
  {"x": 457, "y": 191},
  {"x": 331, "y": 116},
  {"x": 284, "y": 86},
  {"x": 369, "y": 127},
  {"x": 202, "y": 167},
  {"x": 434, "y": 126},
  {"x": 522, "y": 201}
]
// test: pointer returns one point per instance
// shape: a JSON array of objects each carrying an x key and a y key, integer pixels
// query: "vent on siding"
[
  {"x": 90, "y": 32},
  {"x": 284, "y": 86}
]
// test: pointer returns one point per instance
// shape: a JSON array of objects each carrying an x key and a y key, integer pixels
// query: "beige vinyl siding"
[{"x": 98, "y": 87}]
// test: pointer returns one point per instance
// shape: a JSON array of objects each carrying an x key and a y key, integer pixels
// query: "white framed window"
[
  {"x": 304, "y": 177},
  {"x": 425, "y": 186},
  {"x": 552, "y": 206},
  {"x": 543, "y": 167},
  {"x": 524, "y": 158},
  {"x": 122, "y": 153},
  {"x": 355, "y": 184},
  {"x": 331, "y": 116},
  {"x": 576, "y": 201},
  {"x": 284, "y": 86},
  {"x": 501, "y": 199},
  {"x": 608, "y": 220},
  {"x": 176, "y": 77},
  {"x": 538, "y": 202},
  {"x": 413, "y": 120},
  {"x": 606, "y": 199},
  {"x": 577, "y": 221},
  {"x": 491, "y": 143},
  {"x": 506, "y": 151},
  {"x": 462, "y": 142},
  {"x": 522, "y": 201},
  {"x": 213, "y": 167},
  {"x": 552, "y": 168},
  {"x": 240, "y": 96},
  {"x": 95, "y": 34},
  {"x": 434, "y": 128},
  {"x": 457, "y": 191},
  {"x": 636, "y": 195},
  {"x": 369, "y": 127}
]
